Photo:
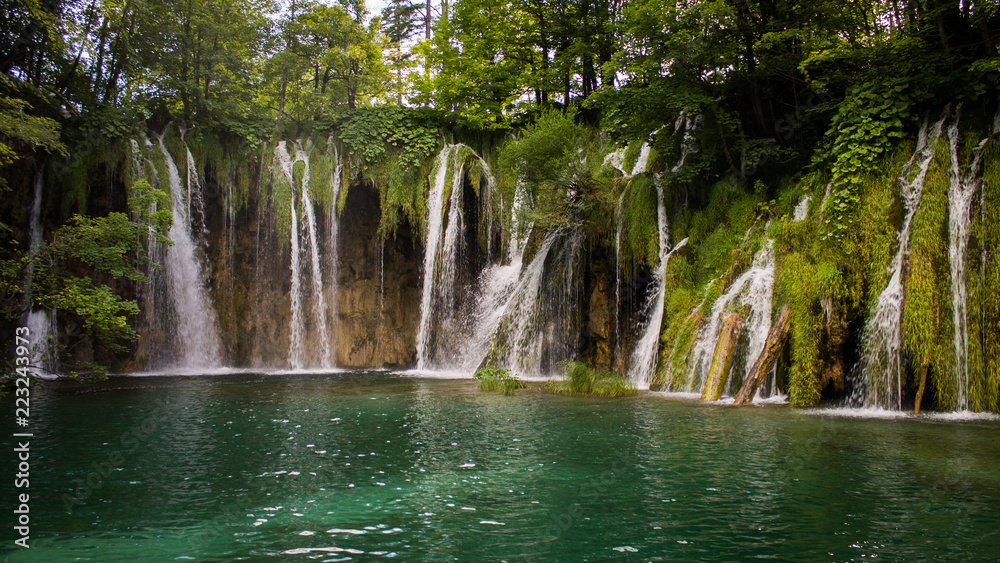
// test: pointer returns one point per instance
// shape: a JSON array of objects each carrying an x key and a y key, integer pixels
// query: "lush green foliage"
[
  {"x": 62, "y": 271},
  {"x": 549, "y": 159}
]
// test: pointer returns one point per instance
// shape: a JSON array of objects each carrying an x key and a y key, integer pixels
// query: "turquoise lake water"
[{"x": 373, "y": 467}]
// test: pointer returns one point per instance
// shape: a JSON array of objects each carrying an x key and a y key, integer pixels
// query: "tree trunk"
[
  {"x": 920, "y": 388},
  {"x": 768, "y": 356},
  {"x": 722, "y": 359},
  {"x": 427, "y": 22},
  {"x": 281, "y": 101}
]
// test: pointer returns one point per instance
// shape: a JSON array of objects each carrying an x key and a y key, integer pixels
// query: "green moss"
[
  {"x": 403, "y": 191},
  {"x": 676, "y": 342},
  {"x": 281, "y": 201},
  {"x": 631, "y": 154},
  {"x": 927, "y": 325},
  {"x": 869, "y": 249},
  {"x": 797, "y": 283},
  {"x": 640, "y": 237},
  {"x": 990, "y": 276},
  {"x": 321, "y": 166}
]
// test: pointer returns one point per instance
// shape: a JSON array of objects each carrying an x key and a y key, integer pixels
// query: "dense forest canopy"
[
  {"x": 775, "y": 88},
  {"x": 245, "y": 66}
]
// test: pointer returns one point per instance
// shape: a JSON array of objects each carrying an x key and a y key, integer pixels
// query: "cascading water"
[
  {"x": 530, "y": 336},
  {"x": 319, "y": 305},
  {"x": 297, "y": 326},
  {"x": 195, "y": 329},
  {"x": 753, "y": 289},
  {"x": 643, "y": 361},
  {"x": 497, "y": 284},
  {"x": 881, "y": 362},
  {"x": 619, "y": 224},
  {"x": 40, "y": 322},
  {"x": 616, "y": 160},
  {"x": 642, "y": 162},
  {"x": 435, "y": 210},
  {"x": 296, "y": 342},
  {"x": 689, "y": 143},
  {"x": 335, "y": 179},
  {"x": 961, "y": 191},
  {"x": 441, "y": 252},
  {"x": 802, "y": 209},
  {"x": 758, "y": 298}
]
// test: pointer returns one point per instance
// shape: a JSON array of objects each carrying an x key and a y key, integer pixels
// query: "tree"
[
  {"x": 401, "y": 22},
  {"x": 63, "y": 271}
]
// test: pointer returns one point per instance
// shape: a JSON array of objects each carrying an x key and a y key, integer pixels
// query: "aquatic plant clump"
[
  {"x": 498, "y": 380},
  {"x": 581, "y": 379}
]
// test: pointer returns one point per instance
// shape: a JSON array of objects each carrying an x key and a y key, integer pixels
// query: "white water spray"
[
  {"x": 298, "y": 332},
  {"x": 319, "y": 300},
  {"x": 802, "y": 209},
  {"x": 441, "y": 252},
  {"x": 195, "y": 321},
  {"x": 338, "y": 169},
  {"x": 961, "y": 190},
  {"x": 643, "y": 361},
  {"x": 497, "y": 285}
]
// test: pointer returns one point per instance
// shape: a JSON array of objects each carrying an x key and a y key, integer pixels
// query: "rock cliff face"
[
  {"x": 373, "y": 305},
  {"x": 378, "y": 287}
]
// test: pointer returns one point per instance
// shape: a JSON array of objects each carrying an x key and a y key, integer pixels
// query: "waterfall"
[
  {"x": 532, "y": 330},
  {"x": 619, "y": 223},
  {"x": 616, "y": 159},
  {"x": 40, "y": 322},
  {"x": 641, "y": 163},
  {"x": 802, "y": 209},
  {"x": 961, "y": 190},
  {"x": 758, "y": 298},
  {"x": 197, "y": 337},
  {"x": 297, "y": 327},
  {"x": 319, "y": 300},
  {"x": 435, "y": 210},
  {"x": 521, "y": 314},
  {"x": 335, "y": 179},
  {"x": 752, "y": 289},
  {"x": 643, "y": 361},
  {"x": 195, "y": 203},
  {"x": 883, "y": 374},
  {"x": 438, "y": 306},
  {"x": 690, "y": 319},
  {"x": 689, "y": 141},
  {"x": 498, "y": 283}
]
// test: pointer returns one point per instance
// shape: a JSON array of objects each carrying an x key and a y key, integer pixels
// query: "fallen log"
[
  {"x": 768, "y": 356},
  {"x": 722, "y": 358}
]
